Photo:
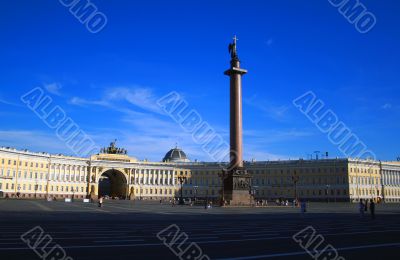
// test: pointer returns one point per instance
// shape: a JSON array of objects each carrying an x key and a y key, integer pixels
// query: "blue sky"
[{"x": 108, "y": 82}]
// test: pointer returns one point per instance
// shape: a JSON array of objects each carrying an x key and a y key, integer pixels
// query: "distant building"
[{"x": 113, "y": 173}]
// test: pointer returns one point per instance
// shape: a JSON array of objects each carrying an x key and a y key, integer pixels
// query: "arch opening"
[{"x": 112, "y": 183}]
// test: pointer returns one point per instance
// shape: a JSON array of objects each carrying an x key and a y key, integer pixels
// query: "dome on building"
[{"x": 175, "y": 155}]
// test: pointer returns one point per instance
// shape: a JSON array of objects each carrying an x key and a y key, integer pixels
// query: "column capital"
[{"x": 235, "y": 70}]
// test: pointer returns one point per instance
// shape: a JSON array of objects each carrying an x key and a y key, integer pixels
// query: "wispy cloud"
[
  {"x": 276, "y": 135},
  {"x": 270, "y": 109},
  {"x": 38, "y": 141},
  {"x": 9, "y": 103},
  {"x": 257, "y": 142},
  {"x": 53, "y": 88},
  {"x": 386, "y": 106},
  {"x": 141, "y": 98},
  {"x": 85, "y": 102},
  {"x": 269, "y": 42},
  {"x": 147, "y": 132}
]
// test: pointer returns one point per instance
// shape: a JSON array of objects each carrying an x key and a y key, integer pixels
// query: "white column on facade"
[
  {"x": 78, "y": 173},
  {"x": 397, "y": 178},
  {"x": 383, "y": 178},
  {"x": 84, "y": 174},
  {"x": 74, "y": 173},
  {"x": 71, "y": 174},
  {"x": 58, "y": 172},
  {"x": 386, "y": 178},
  {"x": 393, "y": 178},
  {"x": 61, "y": 173}
]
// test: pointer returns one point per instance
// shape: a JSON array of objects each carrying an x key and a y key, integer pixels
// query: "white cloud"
[
  {"x": 137, "y": 96},
  {"x": 387, "y": 106},
  {"x": 53, "y": 88},
  {"x": 84, "y": 102},
  {"x": 142, "y": 98}
]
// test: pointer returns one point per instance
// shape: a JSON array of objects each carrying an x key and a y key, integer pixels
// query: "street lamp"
[
  {"x": 223, "y": 175},
  {"x": 36, "y": 187},
  {"x": 181, "y": 179},
  {"x": 295, "y": 179},
  {"x": 73, "y": 193},
  {"x": 141, "y": 190},
  {"x": 195, "y": 193},
  {"x": 253, "y": 191},
  {"x": 327, "y": 191}
]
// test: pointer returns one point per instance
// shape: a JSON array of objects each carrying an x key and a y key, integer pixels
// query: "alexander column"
[{"x": 237, "y": 182}]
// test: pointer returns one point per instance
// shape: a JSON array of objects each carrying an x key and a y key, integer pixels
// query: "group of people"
[
  {"x": 363, "y": 207},
  {"x": 261, "y": 203},
  {"x": 282, "y": 202}
]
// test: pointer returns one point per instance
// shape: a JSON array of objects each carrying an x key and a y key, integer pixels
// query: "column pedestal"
[{"x": 237, "y": 186}]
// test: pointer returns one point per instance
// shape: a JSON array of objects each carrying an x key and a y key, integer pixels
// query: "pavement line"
[
  {"x": 237, "y": 258},
  {"x": 199, "y": 240},
  {"x": 136, "y": 210},
  {"x": 43, "y": 207},
  {"x": 90, "y": 208},
  {"x": 116, "y": 241},
  {"x": 305, "y": 253}
]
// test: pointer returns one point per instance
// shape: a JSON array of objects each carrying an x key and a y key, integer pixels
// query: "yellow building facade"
[{"x": 26, "y": 174}]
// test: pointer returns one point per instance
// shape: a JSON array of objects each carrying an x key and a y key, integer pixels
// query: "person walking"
[
  {"x": 372, "y": 208},
  {"x": 101, "y": 202},
  {"x": 361, "y": 208},
  {"x": 303, "y": 207}
]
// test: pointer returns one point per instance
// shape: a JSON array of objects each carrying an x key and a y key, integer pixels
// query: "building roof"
[{"x": 175, "y": 155}]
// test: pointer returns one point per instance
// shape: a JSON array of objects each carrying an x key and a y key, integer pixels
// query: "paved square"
[{"x": 127, "y": 230}]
